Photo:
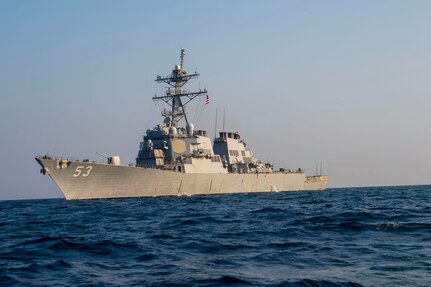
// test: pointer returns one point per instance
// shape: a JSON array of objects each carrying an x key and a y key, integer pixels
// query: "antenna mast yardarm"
[{"x": 173, "y": 97}]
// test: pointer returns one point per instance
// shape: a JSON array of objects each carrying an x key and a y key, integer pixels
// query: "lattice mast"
[{"x": 175, "y": 96}]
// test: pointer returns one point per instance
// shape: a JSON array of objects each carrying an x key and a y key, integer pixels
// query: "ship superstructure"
[
  {"x": 184, "y": 149},
  {"x": 175, "y": 159},
  {"x": 171, "y": 147}
]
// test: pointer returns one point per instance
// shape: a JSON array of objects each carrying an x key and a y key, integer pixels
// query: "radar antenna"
[{"x": 174, "y": 94}]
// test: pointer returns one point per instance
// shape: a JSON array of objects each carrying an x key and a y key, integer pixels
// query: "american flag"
[{"x": 207, "y": 100}]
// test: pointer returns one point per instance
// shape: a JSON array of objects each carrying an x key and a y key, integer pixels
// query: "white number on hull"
[
  {"x": 80, "y": 169},
  {"x": 87, "y": 173}
]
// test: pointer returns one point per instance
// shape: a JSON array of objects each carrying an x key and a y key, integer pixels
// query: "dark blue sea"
[{"x": 378, "y": 236}]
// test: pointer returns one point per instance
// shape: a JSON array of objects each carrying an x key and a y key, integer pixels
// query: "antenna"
[
  {"x": 321, "y": 171},
  {"x": 317, "y": 168},
  {"x": 182, "y": 54},
  {"x": 215, "y": 128},
  {"x": 224, "y": 118}
]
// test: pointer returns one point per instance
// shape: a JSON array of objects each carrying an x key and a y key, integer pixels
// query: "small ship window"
[
  {"x": 233, "y": 152},
  {"x": 243, "y": 152},
  {"x": 215, "y": 158}
]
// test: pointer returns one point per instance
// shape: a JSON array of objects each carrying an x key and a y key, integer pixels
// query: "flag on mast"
[{"x": 207, "y": 100}]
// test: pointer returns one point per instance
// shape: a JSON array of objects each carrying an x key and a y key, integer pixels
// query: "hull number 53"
[{"x": 83, "y": 171}]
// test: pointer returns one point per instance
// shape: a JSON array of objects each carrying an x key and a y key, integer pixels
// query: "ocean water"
[{"x": 377, "y": 236}]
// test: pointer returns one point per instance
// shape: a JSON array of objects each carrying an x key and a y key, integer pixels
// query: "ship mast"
[{"x": 175, "y": 96}]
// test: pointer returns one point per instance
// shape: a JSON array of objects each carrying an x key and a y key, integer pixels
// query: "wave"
[
  {"x": 372, "y": 236},
  {"x": 268, "y": 210},
  {"x": 222, "y": 281},
  {"x": 7, "y": 280},
  {"x": 57, "y": 265},
  {"x": 103, "y": 247},
  {"x": 318, "y": 283}
]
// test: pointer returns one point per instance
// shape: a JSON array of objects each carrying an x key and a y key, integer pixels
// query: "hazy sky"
[{"x": 343, "y": 82}]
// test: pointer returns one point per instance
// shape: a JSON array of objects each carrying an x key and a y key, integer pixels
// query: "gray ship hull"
[{"x": 87, "y": 180}]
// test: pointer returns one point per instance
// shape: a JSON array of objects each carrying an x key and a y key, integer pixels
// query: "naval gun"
[{"x": 114, "y": 160}]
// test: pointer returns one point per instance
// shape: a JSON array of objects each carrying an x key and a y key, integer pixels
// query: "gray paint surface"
[{"x": 111, "y": 181}]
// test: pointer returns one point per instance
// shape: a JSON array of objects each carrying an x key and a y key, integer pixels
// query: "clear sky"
[{"x": 342, "y": 82}]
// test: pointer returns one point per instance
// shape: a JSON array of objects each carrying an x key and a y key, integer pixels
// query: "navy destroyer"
[{"x": 174, "y": 159}]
